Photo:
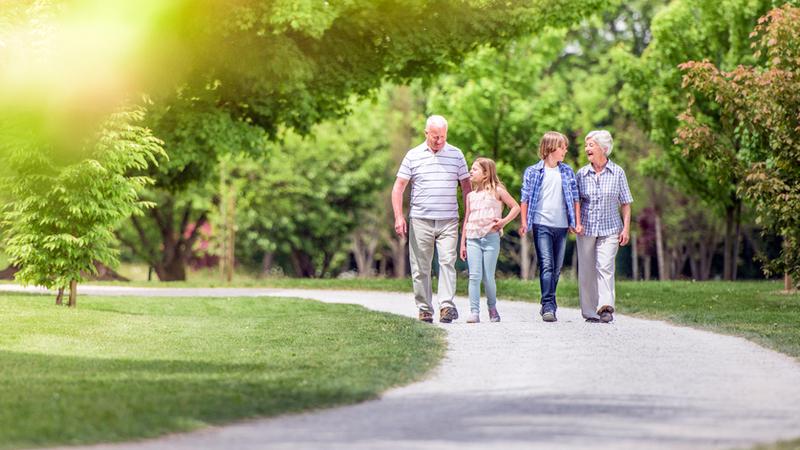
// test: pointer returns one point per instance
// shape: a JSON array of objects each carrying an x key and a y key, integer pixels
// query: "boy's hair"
[
  {"x": 490, "y": 181},
  {"x": 550, "y": 143}
]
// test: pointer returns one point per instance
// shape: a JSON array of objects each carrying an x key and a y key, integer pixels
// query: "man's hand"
[
  {"x": 523, "y": 229},
  {"x": 400, "y": 226}
]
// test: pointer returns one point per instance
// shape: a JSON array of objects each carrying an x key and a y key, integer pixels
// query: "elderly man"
[{"x": 435, "y": 169}]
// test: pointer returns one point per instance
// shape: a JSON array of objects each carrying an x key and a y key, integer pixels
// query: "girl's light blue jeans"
[{"x": 482, "y": 260}]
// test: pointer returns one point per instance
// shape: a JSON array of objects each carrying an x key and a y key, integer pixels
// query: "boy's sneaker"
[
  {"x": 426, "y": 316},
  {"x": 447, "y": 314},
  {"x": 549, "y": 316},
  {"x": 494, "y": 316},
  {"x": 474, "y": 318}
]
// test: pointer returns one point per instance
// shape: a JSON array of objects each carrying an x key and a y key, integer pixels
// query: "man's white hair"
[
  {"x": 603, "y": 139},
  {"x": 436, "y": 122}
]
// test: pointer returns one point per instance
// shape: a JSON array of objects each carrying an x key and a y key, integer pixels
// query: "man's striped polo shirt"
[{"x": 434, "y": 180}]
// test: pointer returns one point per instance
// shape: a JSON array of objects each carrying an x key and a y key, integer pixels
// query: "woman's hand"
[
  {"x": 463, "y": 251},
  {"x": 523, "y": 229},
  {"x": 624, "y": 237}
]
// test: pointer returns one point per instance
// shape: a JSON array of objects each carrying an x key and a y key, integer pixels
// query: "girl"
[
  {"x": 550, "y": 205},
  {"x": 480, "y": 237}
]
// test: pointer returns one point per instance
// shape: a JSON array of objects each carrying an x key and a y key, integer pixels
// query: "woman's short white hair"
[
  {"x": 603, "y": 139},
  {"x": 436, "y": 122}
]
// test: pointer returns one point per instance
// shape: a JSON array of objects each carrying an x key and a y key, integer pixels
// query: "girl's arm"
[
  {"x": 463, "y": 248},
  {"x": 513, "y": 207}
]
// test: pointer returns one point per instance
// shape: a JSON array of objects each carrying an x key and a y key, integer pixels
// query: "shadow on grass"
[{"x": 47, "y": 399}]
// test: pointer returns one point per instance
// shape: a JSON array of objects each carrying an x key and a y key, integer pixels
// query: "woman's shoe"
[
  {"x": 494, "y": 316},
  {"x": 474, "y": 318}
]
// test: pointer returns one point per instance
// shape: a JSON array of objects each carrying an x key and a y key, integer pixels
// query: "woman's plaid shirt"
[{"x": 601, "y": 197}]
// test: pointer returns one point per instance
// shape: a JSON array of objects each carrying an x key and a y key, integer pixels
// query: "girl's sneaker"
[
  {"x": 473, "y": 318},
  {"x": 494, "y": 316}
]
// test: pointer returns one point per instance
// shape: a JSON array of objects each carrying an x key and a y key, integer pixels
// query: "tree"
[
  {"x": 305, "y": 196},
  {"x": 196, "y": 135},
  {"x": 652, "y": 94},
  {"x": 259, "y": 64},
  {"x": 61, "y": 214},
  {"x": 761, "y": 105},
  {"x": 293, "y": 65}
]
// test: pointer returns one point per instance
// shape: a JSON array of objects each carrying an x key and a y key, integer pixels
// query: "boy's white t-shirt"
[{"x": 550, "y": 209}]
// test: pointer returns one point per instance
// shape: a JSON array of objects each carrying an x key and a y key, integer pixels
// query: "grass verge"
[
  {"x": 127, "y": 368},
  {"x": 756, "y": 310}
]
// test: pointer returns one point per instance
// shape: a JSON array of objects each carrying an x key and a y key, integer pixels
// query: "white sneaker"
[{"x": 473, "y": 318}]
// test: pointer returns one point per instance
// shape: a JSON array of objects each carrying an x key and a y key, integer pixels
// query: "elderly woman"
[{"x": 603, "y": 192}]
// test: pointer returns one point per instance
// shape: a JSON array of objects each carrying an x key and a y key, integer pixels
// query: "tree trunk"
[
  {"x": 634, "y": 257},
  {"x": 73, "y": 294},
  {"x": 727, "y": 263},
  {"x": 60, "y": 297},
  {"x": 694, "y": 262},
  {"x": 171, "y": 254},
  {"x": 174, "y": 270},
  {"x": 266, "y": 263},
  {"x": 105, "y": 273},
  {"x": 302, "y": 264},
  {"x": 363, "y": 247},
  {"x": 662, "y": 266},
  {"x": 787, "y": 283},
  {"x": 736, "y": 238},
  {"x": 524, "y": 258},
  {"x": 382, "y": 267},
  {"x": 8, "y": 273},
  {"x": 398, "y": 245},
  {"x": 647, "y": 261}
]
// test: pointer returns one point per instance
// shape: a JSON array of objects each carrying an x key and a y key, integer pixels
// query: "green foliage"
[
  {"x": 329, "y": 51},
  {"x": 265, "y": 67},
  {"x": 501, "y": 101},
  {"x": 652, "y": 90},
  {"x": 59, "y": 218},
  {"x": 762, "y": 103},
  {"x": 305, "y": 196}
]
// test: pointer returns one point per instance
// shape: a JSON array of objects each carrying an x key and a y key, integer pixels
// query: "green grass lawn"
[
  {"x": 756, "y": 310},
  {"x": 124, "y": 368}
]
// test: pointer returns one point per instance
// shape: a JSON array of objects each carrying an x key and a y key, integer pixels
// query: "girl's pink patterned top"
[{"x": 484, "y": 208}]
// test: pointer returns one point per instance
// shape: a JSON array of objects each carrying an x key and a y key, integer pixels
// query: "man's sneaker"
[
  {"x": 447, "y": 314},
  {"x": 474, "y": 318},
  {"x": 606, "y": 314},
  {"x": 549, "y": 316},
  {"x": 426, "y": 316},
  {"x": 593, "y": 320},
  {"x": 494, "y": 316}
]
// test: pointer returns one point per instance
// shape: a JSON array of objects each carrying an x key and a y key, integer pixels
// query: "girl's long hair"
[{"x": 490, "y": 181}]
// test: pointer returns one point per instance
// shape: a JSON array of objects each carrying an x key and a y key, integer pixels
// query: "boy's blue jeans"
[
  {"x": 482, "y": 260},
  {"x": 550, "y": 244}
]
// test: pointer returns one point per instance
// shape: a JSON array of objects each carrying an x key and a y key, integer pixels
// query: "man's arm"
[
  {"x": 400, "y": 226},
  {"x": 466, "y": 188}
]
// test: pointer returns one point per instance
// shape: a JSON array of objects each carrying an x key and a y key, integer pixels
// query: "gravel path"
[{"x": 523, "y": 383}]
